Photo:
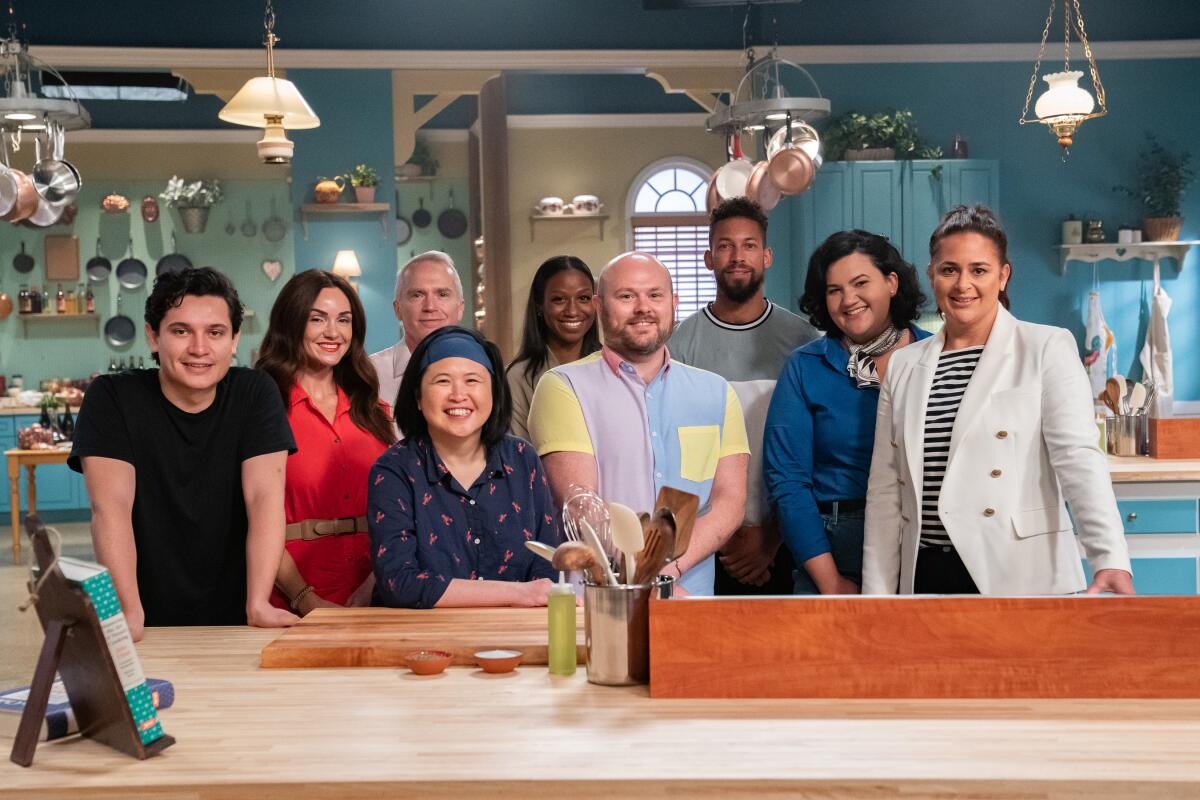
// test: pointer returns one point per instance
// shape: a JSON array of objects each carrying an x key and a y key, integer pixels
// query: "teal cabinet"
[
  {"x": 902, "y": 200},
  {"x": 1158, "y": 516}
]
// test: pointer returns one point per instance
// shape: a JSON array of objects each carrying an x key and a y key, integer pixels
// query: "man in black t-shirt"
[{"x": 184, "y": 467}]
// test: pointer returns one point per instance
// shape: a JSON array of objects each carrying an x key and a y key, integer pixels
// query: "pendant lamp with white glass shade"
[
  {"x": 1065, "y": 104},
  {"x": 271, "y": 103}
]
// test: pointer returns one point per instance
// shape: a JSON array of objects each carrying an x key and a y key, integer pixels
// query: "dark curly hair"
[
  {"x": 905, "y": 306},
  {"x": 737, "y": 207},
  {"x": 408, "y": 413},
  {"x": 973, "y": 219},
  {"x": 171, "y": 287}
]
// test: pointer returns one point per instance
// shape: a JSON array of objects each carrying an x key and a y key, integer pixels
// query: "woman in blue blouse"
[
  {"x": 452, "y": 504},
  {"x": 821, "y": 423}
]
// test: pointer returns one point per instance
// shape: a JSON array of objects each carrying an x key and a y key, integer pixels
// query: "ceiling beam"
[{"x": 70, "y": 57}]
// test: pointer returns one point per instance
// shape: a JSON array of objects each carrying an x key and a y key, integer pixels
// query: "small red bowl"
[
  {"x": 427, "y": 662},
  {"x": 497, "y": 661}
]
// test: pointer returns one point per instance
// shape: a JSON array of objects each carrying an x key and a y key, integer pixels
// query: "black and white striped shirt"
[{"x": 954, "y": 371}]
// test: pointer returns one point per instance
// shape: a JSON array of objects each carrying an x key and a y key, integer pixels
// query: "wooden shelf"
[
  {"x": 43, "y": 318},
  {"x": 600, "y": 216},
  {"x": 382, "y": 209},
  {"x": 1113, "y": 251}
]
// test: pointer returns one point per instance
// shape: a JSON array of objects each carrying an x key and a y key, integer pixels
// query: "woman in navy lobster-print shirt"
[{"x": 451, "y": 506}]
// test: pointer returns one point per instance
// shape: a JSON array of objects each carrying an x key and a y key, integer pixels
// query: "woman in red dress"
[{"x": 313, "y": 350}]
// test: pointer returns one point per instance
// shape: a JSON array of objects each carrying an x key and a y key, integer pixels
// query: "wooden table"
[
  {"x": 244, "y": 731},
  {"x": 30, "y": 459}
]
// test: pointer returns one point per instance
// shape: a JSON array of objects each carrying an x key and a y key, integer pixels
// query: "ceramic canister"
[{"x": 1072, "y": 231}]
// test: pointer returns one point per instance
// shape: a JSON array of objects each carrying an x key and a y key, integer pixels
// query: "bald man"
[
  {"x": 429, "y": 295},
  {"x": 628, "y": 420}
]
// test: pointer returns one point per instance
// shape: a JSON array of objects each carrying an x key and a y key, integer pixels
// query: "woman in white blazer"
[{"x": 1021, "y": 438}]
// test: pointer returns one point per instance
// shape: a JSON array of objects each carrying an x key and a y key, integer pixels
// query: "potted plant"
[
  {"x": 1163, "y": 176},
  {"x": 364, "y": 179},
  {"x": 193, "y": 201},
  {"x": 878, "y": 137},
  {"x": 421, "y": 162}
]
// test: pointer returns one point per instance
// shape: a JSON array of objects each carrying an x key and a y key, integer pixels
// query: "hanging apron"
[
  {"x": 1099, "y": 346},
  {"x": 1156, "y": 350}
]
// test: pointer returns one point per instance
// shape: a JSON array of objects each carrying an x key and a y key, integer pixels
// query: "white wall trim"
[
  {"x": 634, "y": 61},
  {"x": 1186, "y": 408},
  {"x": 544, "y": 121},
  {"x": 172, "y": 136}
]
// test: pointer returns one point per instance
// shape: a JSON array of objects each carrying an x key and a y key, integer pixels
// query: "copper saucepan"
[
  {"x": 792, "y": 168},
  {"x": 760, "y": 189},
  {"x": 27, "y": 198}
]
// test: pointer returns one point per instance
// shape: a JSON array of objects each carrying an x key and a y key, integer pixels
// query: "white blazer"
[{"x": 1024, "y": 438}]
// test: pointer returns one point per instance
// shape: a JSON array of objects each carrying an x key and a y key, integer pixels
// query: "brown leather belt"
[{"x": 310, "y": 529}]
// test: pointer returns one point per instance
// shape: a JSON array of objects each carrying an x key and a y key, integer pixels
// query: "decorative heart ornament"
[{"x": 272, "y": 269}]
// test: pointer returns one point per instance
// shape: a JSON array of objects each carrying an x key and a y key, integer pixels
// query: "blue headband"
[{"x": 456, "y": 344}]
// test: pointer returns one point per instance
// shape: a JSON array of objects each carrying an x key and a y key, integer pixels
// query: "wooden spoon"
[
  {"x": 1123, "y": 387},
  {"x": 627, "y": 536},
  {"x": 1113, "y": 395},
  {"x": 684, "y": 506},
  {"x": 577, "y": 556},
  {"x": 657, "y": 554}
]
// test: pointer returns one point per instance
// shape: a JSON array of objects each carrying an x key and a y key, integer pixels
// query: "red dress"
[{"x": 327, "y": 479}]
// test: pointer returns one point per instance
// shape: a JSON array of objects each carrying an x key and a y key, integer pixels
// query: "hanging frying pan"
[
  {"x": 173, "y": 261},
  {"x": 98, "y": 266},
  {"x": 119, "y": 330},
  {"x": 421, "y": 217},
  {"x": 791, "y": 168},
  {"x": 452, "y": 223},
  {"x": 274, "y": 229},
  {"x": 732, "y": 178},
  {"x": 131, "y": 272},
  {"x": 403, "y": 226},
  {"x": 22, "y": 261}
]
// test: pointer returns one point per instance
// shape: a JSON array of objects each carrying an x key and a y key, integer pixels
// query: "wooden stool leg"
[
  {"x": 14, "y": 485},
  {"x": 30, "y": 729}
]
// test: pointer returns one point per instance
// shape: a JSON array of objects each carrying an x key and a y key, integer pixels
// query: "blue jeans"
[{"x": 845, "y": 532}]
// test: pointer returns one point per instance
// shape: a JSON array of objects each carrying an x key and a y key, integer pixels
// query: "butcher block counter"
[{"x": 246, "y": 731}]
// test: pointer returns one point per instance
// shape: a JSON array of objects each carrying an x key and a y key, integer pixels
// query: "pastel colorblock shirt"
[{"x": 671, "y": 431}]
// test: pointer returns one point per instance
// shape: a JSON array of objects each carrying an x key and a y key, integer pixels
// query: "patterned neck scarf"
[{"x": 861, "y": 364}]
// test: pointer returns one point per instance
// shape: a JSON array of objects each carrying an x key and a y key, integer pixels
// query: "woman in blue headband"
[{"x": 451, "y": 505}]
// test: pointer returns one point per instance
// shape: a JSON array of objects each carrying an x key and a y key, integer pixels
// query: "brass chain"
[
  {"x": 1037, "y": 64},
  {"x": 1087, "y": 51},
  {"x": 1066, "y": 37}
]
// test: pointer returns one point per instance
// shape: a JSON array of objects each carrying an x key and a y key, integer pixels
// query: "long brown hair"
[{"x": 282, "y": 353}]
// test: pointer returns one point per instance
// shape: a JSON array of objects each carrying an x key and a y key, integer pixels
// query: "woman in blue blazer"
[{"x": 821, "y": 423}]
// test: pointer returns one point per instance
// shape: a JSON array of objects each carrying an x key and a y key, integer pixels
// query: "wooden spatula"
[{"x": 683, "y": 505}]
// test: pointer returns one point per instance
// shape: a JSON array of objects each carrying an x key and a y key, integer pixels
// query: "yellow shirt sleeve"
[
  {"x": 733, "y": 432},
  {"x": 556, "y": 421}
]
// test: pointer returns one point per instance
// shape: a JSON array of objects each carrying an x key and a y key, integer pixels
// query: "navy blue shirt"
[
  {"x": 818, "y": 440},
  {"x": 426, "y": 529}
]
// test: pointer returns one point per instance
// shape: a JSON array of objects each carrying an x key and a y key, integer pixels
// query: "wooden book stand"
[{"x": 75, "y": 647}]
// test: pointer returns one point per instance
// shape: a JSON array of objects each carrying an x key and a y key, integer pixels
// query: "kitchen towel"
[
  {"x": 1156, "y": 350},
  {"x": 1100, "y": 346}
]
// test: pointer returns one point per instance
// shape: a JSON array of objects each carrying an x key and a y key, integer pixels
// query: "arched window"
[{"x": 667, "y": 219}]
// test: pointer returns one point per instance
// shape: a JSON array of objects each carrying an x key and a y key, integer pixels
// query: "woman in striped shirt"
[{"x": 982, "y": 432}]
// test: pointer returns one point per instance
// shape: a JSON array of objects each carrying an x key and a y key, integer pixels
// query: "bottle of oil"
[{"x": 561, "y": 640}]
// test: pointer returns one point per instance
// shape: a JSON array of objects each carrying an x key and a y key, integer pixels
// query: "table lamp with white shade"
[{"x": 345, "y": 264}]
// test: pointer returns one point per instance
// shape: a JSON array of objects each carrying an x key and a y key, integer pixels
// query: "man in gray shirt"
[{"x": 745, "y": 338}]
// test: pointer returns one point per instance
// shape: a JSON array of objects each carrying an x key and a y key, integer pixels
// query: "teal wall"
[
  {"x": 356, "y": 127},
  {"x": 1037, "y": 190},
  {"x": 75, "y": 349}
]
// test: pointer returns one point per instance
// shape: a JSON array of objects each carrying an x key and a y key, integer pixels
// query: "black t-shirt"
[{"x": 189, "y": 512}]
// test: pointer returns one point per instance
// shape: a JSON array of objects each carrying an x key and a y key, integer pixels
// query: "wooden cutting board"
[
  {"x": 62, "y": 258},
  {"x": 379, "y": 637}
]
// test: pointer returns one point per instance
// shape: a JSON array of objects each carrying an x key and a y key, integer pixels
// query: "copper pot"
[
  {"x": 150, "y": 208},
  {"x": 760, "y": 189},
  {"x": 27, "y": 198},
  {"x": 791, "y": 170}
]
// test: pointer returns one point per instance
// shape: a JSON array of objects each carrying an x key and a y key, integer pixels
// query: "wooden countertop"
[
  {"x": 1143, "y": 469},
  {"x": 21, "y": 411},
  {"x": 244, "y": 731}
]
